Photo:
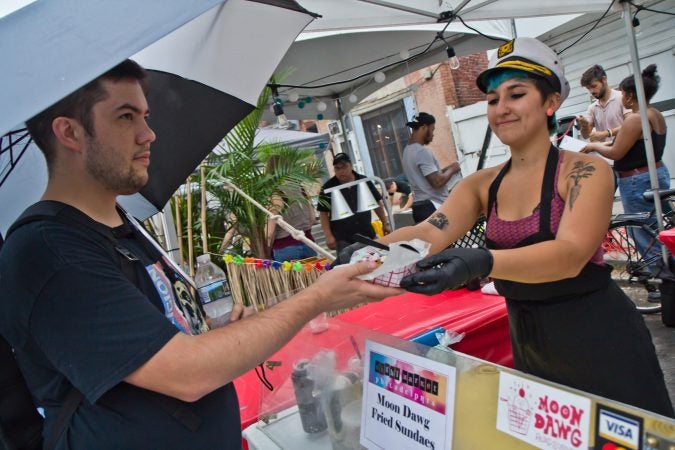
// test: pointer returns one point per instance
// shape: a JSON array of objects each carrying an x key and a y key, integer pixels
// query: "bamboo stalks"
[
  {"x": 202, "y": 173},
  {"x": 179, "y": 229},
  {"x": 188, "y": 195}
]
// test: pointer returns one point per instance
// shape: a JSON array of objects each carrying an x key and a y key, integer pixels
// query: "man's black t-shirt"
[
  {"x": 360, "y": 222},
  {"x": 73, "y": 318}
]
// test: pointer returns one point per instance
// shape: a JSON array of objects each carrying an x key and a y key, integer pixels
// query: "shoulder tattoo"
[
  {"x": 439, "y": 220},
  {"x": 580, "y": 171}
]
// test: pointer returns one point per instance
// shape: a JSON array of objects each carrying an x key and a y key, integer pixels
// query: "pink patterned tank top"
[{"x": 511, "y": 233}]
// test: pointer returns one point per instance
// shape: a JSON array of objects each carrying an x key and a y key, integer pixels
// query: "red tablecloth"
[
  {"x": 481, "y": 317},
  {"x": 668, "y": 238}
]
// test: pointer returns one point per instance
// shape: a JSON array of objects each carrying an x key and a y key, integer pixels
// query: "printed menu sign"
[
  {"x": 542, "y": 415},
  {"x": 408, "y": 401}
]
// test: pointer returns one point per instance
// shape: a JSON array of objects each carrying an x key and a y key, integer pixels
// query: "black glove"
[
  {"x": 345, "y": 254},
  {"x": 448, "y": 269}
]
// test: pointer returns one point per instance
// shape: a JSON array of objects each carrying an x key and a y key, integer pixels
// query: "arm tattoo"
[
  {"x": 579, "y": 171},
  {"x": 438, "y": 220}
]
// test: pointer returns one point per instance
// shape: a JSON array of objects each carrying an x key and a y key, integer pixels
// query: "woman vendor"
[{"x": 547, "y": 214}]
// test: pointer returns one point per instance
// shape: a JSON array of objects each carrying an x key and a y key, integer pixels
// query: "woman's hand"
[{"x": 592, "y": 147}]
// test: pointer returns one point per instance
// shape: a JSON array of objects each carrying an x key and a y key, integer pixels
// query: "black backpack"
[{"x": 20, "y": 423}]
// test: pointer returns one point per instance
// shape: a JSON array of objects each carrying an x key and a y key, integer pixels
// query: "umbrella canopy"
[
  {"x": 208, "y": 65},
  {"x": 357, "y": 37}
]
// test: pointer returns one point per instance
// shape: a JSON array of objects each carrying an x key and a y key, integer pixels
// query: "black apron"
[{"x": 583, "y": 332}]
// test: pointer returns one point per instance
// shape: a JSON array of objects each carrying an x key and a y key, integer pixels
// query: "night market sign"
[{"x": 408, "y": 401}]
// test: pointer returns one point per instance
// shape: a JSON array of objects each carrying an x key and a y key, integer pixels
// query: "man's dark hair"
[
  {"x": 595, "y": 72},
  {"x": 78, "y": 106},
  {"x": 650, "y": 80},
  {"x": 420, "y": 120}
]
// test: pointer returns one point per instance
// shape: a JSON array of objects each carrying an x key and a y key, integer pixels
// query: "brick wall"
[{"x": 470, "y": 66}]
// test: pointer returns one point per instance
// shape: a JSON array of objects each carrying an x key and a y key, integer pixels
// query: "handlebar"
[{"x": 665, "y": 193}]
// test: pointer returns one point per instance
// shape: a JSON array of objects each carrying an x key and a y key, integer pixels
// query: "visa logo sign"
[{"x": 619, "y": 429}]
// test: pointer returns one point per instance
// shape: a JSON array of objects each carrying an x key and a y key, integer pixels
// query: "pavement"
[{"x": 664, "y": 341}]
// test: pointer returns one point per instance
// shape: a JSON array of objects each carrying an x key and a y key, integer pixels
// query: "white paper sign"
[
  {"x": 572, "y": 144},
  {"x": 408, "y": 401},
  {"x": 541, "y": 415}
]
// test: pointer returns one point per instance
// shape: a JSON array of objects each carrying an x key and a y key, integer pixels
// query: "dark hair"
[
  {"x": 596, "y": 72},
  {"x": 650, "y": 80},
  {"x": 78, "y": 105},
  {"x": 420, "y": 120}
]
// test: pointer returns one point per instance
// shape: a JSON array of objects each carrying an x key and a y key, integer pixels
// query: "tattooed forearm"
[
  {"x": 580, "y": 170},
  {"x": 438, "y": 220}
]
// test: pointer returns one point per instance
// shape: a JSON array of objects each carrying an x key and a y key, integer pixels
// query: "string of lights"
[
  {"x": 597, "y": 22},
  {"x": 640, "y": 8}
]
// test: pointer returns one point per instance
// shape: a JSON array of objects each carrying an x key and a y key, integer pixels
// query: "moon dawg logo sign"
[{"x": 541, "y": 415}]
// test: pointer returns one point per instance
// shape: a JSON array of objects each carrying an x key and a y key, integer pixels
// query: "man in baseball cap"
[
  {"x": 340, "y": 233},
  {"x": 431, "y": 183}
]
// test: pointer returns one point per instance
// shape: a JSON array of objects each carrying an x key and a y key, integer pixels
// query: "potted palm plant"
[{"x": 233, "y": 222}]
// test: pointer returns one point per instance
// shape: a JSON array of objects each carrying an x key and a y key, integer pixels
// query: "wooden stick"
[
  {"x": 202, "y": 172},
  {"x": 179, "y": 229},
  {"x": 189, "y": 226}
]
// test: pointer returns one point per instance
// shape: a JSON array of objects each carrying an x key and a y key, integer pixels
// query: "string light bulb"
[
  {"x": 453, "y": 60},
  {"x": 380, "y": 77},
  {"x": 278, "y": 109},
  {"x": 293, "y": 97},
  {"x": 321, "y": 106},
  {"x": 636, "y": 25},
  {"x": 404, "y": 54},
  {"x": 353, "y": 98}
]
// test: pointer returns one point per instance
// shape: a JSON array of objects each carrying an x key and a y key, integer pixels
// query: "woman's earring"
[{"x": 549, "y": 112}]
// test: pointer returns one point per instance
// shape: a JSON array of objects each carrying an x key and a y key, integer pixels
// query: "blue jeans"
[
  {"x": 631, "y": 190},
  {"x": 293, "y": 252}
]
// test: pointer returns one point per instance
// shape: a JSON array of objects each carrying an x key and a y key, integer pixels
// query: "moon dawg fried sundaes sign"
[{"x": 541, "y": 415}]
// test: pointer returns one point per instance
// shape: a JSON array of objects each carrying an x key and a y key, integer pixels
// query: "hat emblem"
[{"x": 505, "y": 49}]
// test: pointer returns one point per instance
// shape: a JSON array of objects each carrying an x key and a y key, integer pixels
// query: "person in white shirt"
[{"x": 605, "y": 115}]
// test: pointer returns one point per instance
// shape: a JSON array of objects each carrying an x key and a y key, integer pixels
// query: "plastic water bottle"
[{"x": 214, "y": 292}]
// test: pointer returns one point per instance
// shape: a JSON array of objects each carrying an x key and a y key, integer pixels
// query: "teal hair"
[{"x": 498, "y": 77}]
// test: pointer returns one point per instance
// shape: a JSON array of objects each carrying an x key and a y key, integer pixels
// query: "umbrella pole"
[
  {"x": 188, "y": 193},
  {"x": 202, "y": 171},
  {"x": 179, "y": 229},
  {"x": 646, "y": 128}
]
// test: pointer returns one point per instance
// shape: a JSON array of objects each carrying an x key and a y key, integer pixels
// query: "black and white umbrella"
[{"x": 208, "y": 62}]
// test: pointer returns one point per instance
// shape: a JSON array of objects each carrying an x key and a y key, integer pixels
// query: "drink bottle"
[{"x": 214, "y": 293}]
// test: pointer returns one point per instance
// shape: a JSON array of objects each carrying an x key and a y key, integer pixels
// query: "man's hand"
[
  {"x": 598, "y": 136},
  {"x": 339, "y": 288},
  {"x": 448, "y": 269},
  {"x": 331, "y": 243},
  {"x": 386, "y": 228},
  {"x": 583, "y": 121},
  {"x": 240, "y": 311},
  {"x": 346, "y": 254}
]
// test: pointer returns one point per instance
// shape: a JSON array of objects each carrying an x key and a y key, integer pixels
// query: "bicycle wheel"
[{"x": 630, "y": 270}]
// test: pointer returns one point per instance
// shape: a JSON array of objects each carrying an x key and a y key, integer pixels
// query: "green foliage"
[{"x": 234, "y": 224}]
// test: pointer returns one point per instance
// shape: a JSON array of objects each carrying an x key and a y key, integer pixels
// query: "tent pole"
[{"x": 646, "y": 128}]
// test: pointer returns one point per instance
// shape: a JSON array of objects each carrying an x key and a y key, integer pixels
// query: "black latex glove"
[
  {"x": 345, "y": 254},
  {"x": 448, "y": 269}
]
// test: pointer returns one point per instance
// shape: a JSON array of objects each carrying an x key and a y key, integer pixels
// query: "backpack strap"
[{"x": 127, "y": 261}]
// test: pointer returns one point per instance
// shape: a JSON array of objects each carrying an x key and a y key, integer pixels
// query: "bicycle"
[{"x": 630, "y": 268}]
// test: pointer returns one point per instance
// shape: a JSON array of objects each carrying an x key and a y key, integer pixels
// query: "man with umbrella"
[{"x": 105, "y": 321}]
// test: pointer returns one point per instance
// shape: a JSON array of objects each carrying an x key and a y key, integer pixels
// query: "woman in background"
[{"x": 630, "y": 159}]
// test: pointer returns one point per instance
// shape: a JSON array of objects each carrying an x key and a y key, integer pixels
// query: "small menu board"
[{"x": 408, "y": 400}]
